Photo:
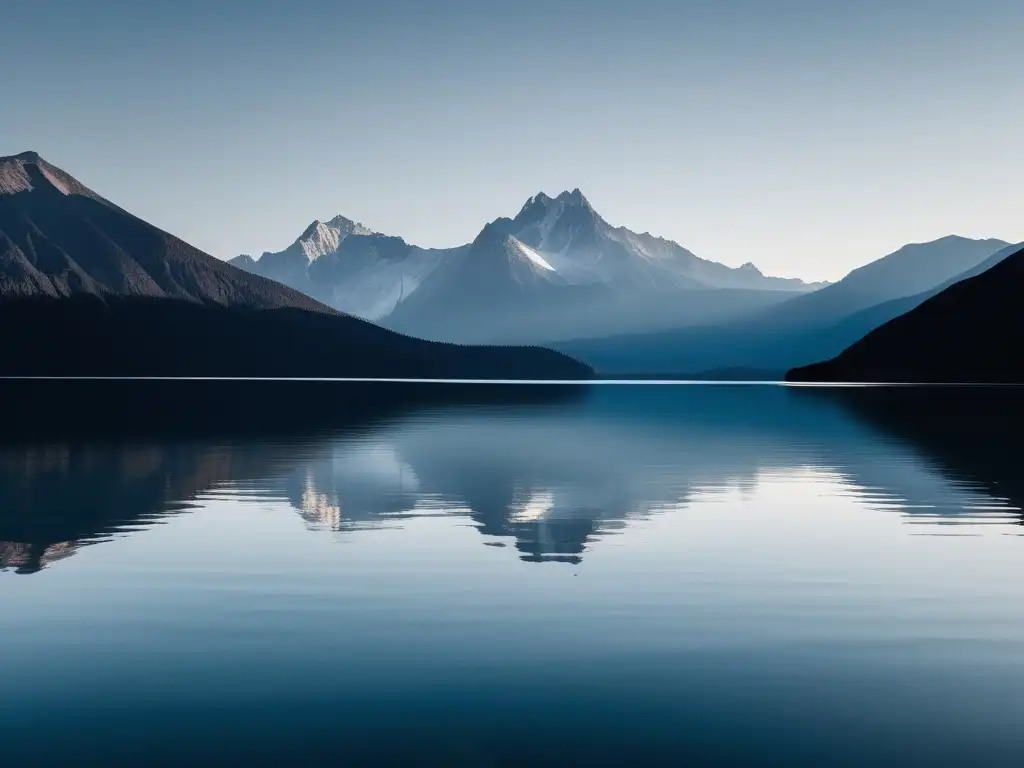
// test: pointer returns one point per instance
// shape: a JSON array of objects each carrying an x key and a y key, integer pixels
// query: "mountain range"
[
  {"x": 557, "y": 270},
  {"x": 628, "y": 304},
  {"x": 970, "y": 332},
  {"x": 803, "y": 329},
  {"x": 106, "y": 293}
]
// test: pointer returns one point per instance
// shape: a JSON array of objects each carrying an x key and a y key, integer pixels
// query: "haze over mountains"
[
  {"x": 105, "y": 293},
  {"x": 803, "y": 329},
  {"x": 557, "y": 270},
  {"x": 970, "y": 332},
  {"x": 109, "y": 294},
  {"x": 628, "y": 304}
]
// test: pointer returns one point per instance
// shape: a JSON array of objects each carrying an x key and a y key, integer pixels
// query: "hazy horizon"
[{"x": 808, "y": 142}]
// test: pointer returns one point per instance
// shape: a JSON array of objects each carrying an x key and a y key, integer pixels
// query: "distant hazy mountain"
[
  {"x": 858, "y": 324},
  {"x": 584, "y": 249},
  {"x": 912, "y": 269},
  {"x": 973, "y": 331},
  {"x": 804, "y": 328},
  {"x": 88, "y": 289},
  {"x": 349, "y": 267},
  {"x": 555, "y": 271}
]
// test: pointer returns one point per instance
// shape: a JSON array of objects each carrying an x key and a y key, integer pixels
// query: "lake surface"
[{"x": 625, "y": 575}]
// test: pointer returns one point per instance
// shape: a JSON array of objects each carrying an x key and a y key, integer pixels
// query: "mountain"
[
  {"x": 105, "y": 293},
  {"x": 60, "y": 239},
  {"x": 804, "y": 328},
  {"x": 971, "y": 332},
  {"x": 353, "y": 269},
  {"x": 586, "y": 249},
  {"x": 863, "y": 322},
  {"x": 555, "y": 271},
  {"x": 558, "y": 271},
  {"x": 912, "y": 269},
  {"x": 291, "y": 266}
]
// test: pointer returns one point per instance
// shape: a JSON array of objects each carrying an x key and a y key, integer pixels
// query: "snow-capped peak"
[
  {"x": 565, "y": 199},
  {"x": 354, "y": 227},
  {"x": 322, "y": 238}
]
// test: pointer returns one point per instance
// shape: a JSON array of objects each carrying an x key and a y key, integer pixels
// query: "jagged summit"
[
  {"x": 540, "y": 198},
  {"x": 322, "y": 238},
  {"x": 339, "y": 222},
  {"x": 527, "y": 269},
  {"x": 568, "y": 198},
  {"x": 574, "y": 198}
]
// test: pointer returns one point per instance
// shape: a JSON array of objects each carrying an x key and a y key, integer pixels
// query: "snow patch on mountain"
[{"x": 531, "y": 254}]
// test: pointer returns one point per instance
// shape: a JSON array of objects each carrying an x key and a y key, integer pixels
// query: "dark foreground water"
[{"x": 699, "y": 575}]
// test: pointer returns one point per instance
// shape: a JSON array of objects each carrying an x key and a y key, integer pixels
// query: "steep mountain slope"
[
  {"x": 805, "y": 328},
  {"x": 105, "y": 293},
  {"x": 972, "y": 331},
  {"x": 58, "y": 238},
  {"x": 496, "y": 277}
]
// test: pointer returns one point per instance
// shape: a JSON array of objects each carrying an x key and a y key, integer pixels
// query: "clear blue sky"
[{"x": 807, "y": 136}]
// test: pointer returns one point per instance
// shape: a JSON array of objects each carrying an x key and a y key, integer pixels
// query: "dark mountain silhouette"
[
  {"x": 72, "y": 476},
  {"x": 804, "y": 328},
  {"x": 861, "y": 323},
  {"x": 105, "y": 293},
  {"x": 970, "y": 332},
  {"x": 969, "y": 434},
  {"x": 211, "y": 408},
  {"x": 56, "y": 498}
]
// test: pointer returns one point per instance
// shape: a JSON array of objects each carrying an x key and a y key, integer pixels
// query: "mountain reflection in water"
[
  {"x": 551, "y": 479},
  {"x": 624, "y": 575}
]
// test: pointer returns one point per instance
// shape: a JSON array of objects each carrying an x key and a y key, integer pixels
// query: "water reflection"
[
  {"x": 551, "y": 480},
  {"x": 970, "y": 436}
]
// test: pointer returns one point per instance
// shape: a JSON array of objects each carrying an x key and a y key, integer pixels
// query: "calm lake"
[{"x": 612, "y": 575}]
